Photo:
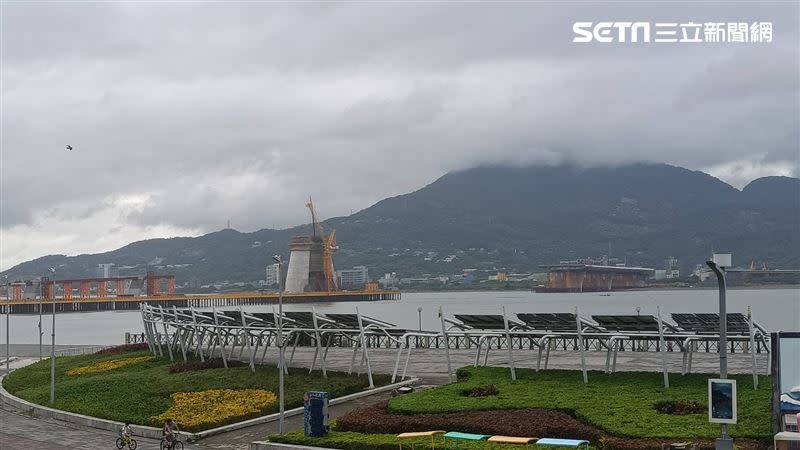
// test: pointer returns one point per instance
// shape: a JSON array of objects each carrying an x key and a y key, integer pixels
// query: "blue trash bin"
[{"x": 315, "y": 413}]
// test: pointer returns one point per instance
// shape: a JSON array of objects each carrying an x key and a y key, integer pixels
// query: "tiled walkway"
[{"x": 20, "y": 431}]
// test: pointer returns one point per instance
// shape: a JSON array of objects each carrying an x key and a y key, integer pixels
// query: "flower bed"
[
  {"x": 215, "y": 363},
  {"x": 105, "y": 366},
  {"x": 520, "y": 422},
  {"x": 136, "y": 393},
  {"x": 123, "y": 349},
  {"x": 621, "y": 404},
  {"x": 375, "y": 419},
  {"x": 212, "y": 408}
]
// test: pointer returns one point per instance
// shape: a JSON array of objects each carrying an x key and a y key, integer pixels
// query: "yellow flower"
[
  {"x": 215, "y": 407},
  {"x": 105, "y": 366}
]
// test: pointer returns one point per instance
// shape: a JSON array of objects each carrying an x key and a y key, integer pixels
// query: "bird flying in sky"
[{"x": 69, "y": 147}]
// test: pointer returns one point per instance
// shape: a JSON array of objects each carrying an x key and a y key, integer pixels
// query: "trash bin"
[{"x": 315, "y": 413}]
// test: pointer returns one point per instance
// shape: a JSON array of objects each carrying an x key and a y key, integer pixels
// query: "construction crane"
[{"x": 328, "y": 247}]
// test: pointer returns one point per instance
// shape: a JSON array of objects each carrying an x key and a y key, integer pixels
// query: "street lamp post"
[
  {"x": 8, "y": 322},
  {"x": 419, "y": 312},
  {"x": 724, "y": 442},
  {"x": 52, "y": 343},
  {"x": 41, "y": 304},
  {"x": 281, "y": 358}
]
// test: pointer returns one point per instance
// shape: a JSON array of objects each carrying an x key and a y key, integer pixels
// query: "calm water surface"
[{"x": 774, "y": 309}]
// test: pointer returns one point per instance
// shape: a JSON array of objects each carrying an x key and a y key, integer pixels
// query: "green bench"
[{"x": 465, "y": 437}]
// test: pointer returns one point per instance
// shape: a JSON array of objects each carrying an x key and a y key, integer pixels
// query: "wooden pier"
[{"x": 188, "y": 300}]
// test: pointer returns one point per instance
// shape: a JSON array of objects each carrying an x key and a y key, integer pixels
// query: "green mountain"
[{"x": 509, "y": 218}]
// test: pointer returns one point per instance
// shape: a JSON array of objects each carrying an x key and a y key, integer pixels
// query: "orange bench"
[{"x": 512, "y": 440}]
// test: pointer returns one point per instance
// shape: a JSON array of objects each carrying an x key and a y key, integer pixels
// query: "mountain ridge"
[{"x": 520, "y": 216}]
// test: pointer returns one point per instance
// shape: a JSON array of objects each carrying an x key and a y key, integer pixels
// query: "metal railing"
[{"x": 177, "y": 333}]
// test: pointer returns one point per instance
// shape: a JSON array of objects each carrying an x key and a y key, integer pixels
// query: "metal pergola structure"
[{"x": 178, "y": 333}]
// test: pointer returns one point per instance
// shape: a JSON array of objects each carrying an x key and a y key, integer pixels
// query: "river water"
[{"x": 774, "y": 309}]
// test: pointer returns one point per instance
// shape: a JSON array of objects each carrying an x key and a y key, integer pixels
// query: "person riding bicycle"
[
  {"x": 170, "y": 428},
  {"x": 126, "y": 432}
]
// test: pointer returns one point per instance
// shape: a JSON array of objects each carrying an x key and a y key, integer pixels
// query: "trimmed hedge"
[
  {"x": 123, "y": 349},
  {"x": 519, "y": 422}
]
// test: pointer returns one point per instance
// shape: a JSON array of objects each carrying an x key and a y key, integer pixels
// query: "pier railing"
[
  {"x": 183, "y": 333},
  {"x": 234, "y": 299}
]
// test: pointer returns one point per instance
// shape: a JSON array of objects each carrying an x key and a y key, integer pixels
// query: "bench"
[
  {"x": 562, "y": 442},
  {"x": 786, "y": 440},
  {"x": 512, "y": 440},
  {"x": 465, "y": 437},
  {"x": 420, "y": 434}
]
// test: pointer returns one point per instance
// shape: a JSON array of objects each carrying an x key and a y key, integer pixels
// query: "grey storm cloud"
[{"x": 185, "y": 115}]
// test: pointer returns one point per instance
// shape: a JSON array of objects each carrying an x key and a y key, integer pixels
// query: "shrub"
[
  {"x": 375, "y": 420},
  {"x": 463, "y": 374},
  {"x": 105, "y": 366},
  {"x": 516, "y": 422},
  {"x": 481, "y": 391},
  {"x": 679, "y": 407},
  {"x": 215, "y": 363},
  {"x": 123, "y": 349},
  {"x": 215, "y": 407}
]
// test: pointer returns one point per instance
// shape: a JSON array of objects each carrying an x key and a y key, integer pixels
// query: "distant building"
[
  {"x": 389, "y": 280},
  {"x": 501, "y": 276},
  {"x": 671, "y": 268},
  {"x": 356, "y": 277},
  {"x": 271, "y": 278},
  {"x": 572, "y": 277},
  {"x": 106, "y": 270}
]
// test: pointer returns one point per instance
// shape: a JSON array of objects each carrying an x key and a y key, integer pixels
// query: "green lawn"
[
  {"x": 620, "y": 403},
  {"x": 135, "y": 393}
]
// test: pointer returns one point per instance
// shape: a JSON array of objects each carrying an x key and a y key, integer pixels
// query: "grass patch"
[
  {"x": 137, "y": 392},
  {"x": 622, "y": 404}
]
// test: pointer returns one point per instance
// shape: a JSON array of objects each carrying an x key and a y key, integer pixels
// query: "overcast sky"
[{"x": 184, "y": 116}]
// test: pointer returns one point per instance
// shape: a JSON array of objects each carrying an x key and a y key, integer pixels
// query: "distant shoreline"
[{"x": 648, "y": 288}]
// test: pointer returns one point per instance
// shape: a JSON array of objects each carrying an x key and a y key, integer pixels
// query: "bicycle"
[
  {"x": 176, "y": 444},
  {"x": 129, "y": 441}
]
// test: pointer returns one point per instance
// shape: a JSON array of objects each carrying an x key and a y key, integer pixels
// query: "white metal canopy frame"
[{"x": 184, "y": 333}]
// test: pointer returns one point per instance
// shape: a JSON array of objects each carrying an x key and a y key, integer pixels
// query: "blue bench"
[{"x": 562, "y": 442}]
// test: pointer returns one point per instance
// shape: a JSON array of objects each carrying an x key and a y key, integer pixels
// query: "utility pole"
[
  {"x": 41, "y": 304},
  {"x": 718, "y": 265},
  {"x": 53, "y": 344},
  {"x": 281, "y": 358},
  {"x": 8, "y": 324}
]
